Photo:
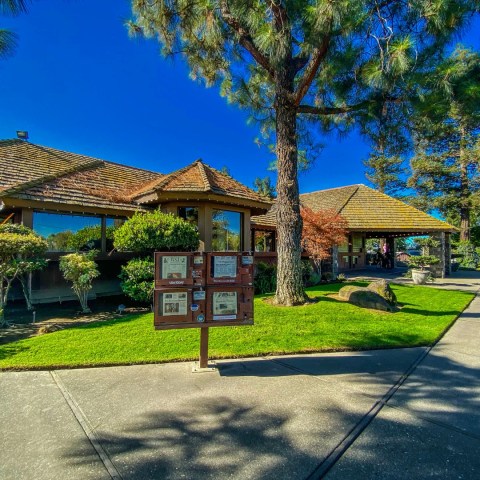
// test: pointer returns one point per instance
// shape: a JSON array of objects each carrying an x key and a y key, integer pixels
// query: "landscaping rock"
[
  {"x": 364, "y": 297},
  {"x": 382, "y": 287}
]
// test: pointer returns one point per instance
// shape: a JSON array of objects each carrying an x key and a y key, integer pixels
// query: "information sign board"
[
  {"x": 180, "y": 269},
  {"x": 229, "y": 268},
  {"x": 230, "y": 304}
]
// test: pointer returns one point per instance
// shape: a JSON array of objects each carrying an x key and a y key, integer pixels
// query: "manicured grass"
[{"x": 326, "y": 325}]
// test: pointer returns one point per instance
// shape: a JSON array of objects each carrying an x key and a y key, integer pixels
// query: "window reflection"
[
  {"x": 190, "y": 214},
  {"x": 264, "y": 241},
  {"x": 226, "y": 231},
  {"x": 69, "y": 233}
]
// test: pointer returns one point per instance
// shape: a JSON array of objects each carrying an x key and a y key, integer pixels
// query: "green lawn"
[{"x": 326, "y": 325}]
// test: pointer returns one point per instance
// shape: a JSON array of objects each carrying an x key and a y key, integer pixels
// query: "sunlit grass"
[{"x": 328, "y": 324}]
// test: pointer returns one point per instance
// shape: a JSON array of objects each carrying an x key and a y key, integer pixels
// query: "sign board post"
[{"x": 202, "y": 290}]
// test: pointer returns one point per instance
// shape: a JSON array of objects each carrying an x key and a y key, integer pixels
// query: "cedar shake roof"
[
  {"x": 200, "y": 178},
  {"x": 42, "y": 174},
  {"x": 33, "y": 172},
  {"x": 366, "y": 209}
]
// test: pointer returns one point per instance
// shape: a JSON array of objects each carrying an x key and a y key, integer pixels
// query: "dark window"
[{"x": 190, "y": 214}]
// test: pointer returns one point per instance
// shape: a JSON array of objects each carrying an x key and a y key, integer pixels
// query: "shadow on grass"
[{"x": 10, "y": 350}]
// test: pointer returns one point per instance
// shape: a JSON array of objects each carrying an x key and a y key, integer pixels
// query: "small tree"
[
  {"x": 145, "y": 233},
  {"x": 322, "y": 230},
  {"x": 19, "y": 254},
  {"x": 29, "y": 262},
  {"x": 80, "y": 269}
]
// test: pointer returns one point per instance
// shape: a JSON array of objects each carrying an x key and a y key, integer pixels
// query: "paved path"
[{"x": 400, "y": 414}]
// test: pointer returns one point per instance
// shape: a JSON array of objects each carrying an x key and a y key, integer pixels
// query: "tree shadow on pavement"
[
  {"x": 430, "y": 428},
  {"x": 215, "y": 439}
]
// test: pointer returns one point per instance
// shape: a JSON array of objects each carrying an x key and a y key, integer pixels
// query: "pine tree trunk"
[
  {"x": 290, "y": 289},
  {"x": 464, "y": 224}
]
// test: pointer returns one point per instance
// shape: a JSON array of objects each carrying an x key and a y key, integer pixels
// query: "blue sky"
[{"x": 79, "y": 83}]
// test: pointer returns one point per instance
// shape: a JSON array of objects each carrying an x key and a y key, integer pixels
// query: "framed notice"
[
  {"x": 173, "y": 304},
  {"x": 174, "y": 267},
  {"x": 224, "y": 305},
  {"x": 224, "y": 266}
]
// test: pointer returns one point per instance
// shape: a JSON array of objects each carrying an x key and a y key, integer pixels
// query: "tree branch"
[
  {"x": 245, "y": 38},
  {"x": 311, "y": 110},
  {"x": 318, "y": 55}
]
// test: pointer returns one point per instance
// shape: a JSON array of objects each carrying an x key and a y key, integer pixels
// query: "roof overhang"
[
  {"x": 11, "y": 203},
  {"x": 256, "y": 207}
]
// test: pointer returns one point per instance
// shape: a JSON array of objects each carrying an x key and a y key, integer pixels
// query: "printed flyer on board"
[
  {"x": 224, "y": 303},
  {"x": 224, "y": 266},
  {"x": 174, "y": 267},
  {"x": 174, "y": 304}
]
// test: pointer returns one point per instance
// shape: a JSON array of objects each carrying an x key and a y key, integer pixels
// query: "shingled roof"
[
  {"x": 366, "y": 209},
  {"x": 201, "y": 181},
  {"x": 37, "y": 173}
]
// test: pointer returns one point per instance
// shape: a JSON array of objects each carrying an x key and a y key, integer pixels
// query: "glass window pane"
[
  {"x": 226, "y": 231},
  {"x": 190, "y": 214},
  {"x": 264, "y": 241},
  {"x": 67, "y": 233},
  {"x": 111, "y": 225}
]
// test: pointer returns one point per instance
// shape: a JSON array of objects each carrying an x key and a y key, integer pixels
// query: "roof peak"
[{"x": 335, "y": 188}]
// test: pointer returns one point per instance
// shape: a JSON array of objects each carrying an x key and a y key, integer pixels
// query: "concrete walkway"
[{"x": 399, "y": 414}]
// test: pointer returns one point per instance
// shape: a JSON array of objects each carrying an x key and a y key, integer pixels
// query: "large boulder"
[
  {"x": 364, "y": 297},
  {"x": 382, "y": 287}
]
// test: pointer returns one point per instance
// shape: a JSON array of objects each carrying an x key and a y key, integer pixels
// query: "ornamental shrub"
[
  {"x": 80, "y": 269},
  {"x": 137, "y": 279},
  {"x": 147, "y": 232},
  {"x": 20, "y": 253}
]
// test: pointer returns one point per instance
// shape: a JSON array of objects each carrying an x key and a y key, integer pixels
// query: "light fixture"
[{"x": 22, "y": 134}]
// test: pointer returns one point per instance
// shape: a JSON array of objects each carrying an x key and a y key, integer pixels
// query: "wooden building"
[
  {"x": 370, "y": 214},
  {"x": 63, "y": 195}
]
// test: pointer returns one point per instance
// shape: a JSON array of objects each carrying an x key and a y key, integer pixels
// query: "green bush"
[
  {"x": 422, "y": 261},
  {"x": 265, "y": 280},
  {"x": 309, "y": 275},
  {"x": 138, "y": 279},
  {"x": 150, "y": 231},
  {"x": 80, "y": 269},
  {"x": 470, "y": 257}
]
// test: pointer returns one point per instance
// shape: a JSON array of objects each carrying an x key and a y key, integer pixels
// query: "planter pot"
[{"x": 419, "y": 277}]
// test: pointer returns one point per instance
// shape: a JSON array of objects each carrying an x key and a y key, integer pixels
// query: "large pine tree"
[
  {"x": 300, "y": 64},
  {"x": 446, "y": 165}
]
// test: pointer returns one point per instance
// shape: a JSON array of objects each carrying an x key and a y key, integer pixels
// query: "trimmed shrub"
[
  {"x": 151, "y": 231},
  {"x": 138, "y": 279}
]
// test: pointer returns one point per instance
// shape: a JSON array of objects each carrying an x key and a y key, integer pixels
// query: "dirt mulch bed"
[{"x": 53, "y": 317}]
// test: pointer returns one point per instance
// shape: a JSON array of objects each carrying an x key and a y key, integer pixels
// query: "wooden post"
[{"x": 203, "y": 348}]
